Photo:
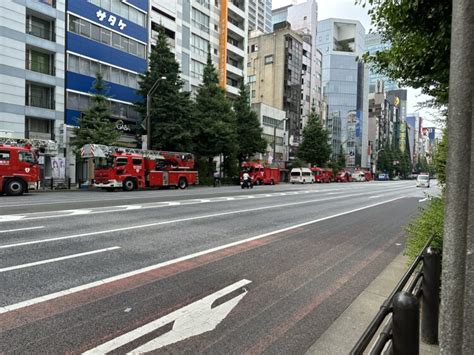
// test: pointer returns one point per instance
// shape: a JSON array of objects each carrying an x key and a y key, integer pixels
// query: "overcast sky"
[{"x": 346, "y": 9}]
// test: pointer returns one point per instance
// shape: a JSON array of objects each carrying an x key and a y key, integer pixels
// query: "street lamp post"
[{"x": 148, "y": 108}]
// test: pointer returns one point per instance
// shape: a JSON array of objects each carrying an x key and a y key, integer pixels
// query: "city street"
[{"x": 202, "y": 270}]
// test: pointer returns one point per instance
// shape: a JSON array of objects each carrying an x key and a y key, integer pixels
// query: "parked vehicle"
[
  {"x": 301, "y": 176},
  {"x": 383, "y": 177},
  {"x": 321, "y": 175},
  {"x": 261, "y": 174},
  {"x": 131, "y": 169},
  {"x": 19, "y": 168},
  {"x": 423, "y": 180},
  {"x": 358, "y": 176},
  {"x": 330, "y": 174},
  {"x": 246, "y": 184},
  {"x": 368, "y": 176},
  {"x": 344, "y": 176}
]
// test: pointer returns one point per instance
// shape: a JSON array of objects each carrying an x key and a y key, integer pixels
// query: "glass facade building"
[
  {"x": 374, "y": 44},
  {"x": 344, "y": 82}
]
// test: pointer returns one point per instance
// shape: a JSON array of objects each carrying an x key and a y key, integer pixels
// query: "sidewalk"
[{"x": 343, "y": 334}]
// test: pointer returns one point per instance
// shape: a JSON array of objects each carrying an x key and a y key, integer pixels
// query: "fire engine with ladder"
[
  {"x": 130, "y": 169},
  {"x": 19, "y": 168}
]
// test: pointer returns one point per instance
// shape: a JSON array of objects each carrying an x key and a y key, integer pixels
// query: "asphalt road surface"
[{"x": 204, "y": 270}]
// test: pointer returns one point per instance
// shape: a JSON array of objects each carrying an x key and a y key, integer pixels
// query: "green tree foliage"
[
  {"x": 215, "y": 124},
  {"x": 249, "y": 130},
  {"x": 314, "y": 148},
  {"x": 419, "y": 32},
  {"x": 171, "y": 110},
  {"x": 440, "y": 158},
  {"x": 95, "y": 126}
]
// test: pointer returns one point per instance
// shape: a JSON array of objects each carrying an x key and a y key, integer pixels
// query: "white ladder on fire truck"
[
  {"x": 42, "y": 146},
  {"x": 104, "y": 151}
]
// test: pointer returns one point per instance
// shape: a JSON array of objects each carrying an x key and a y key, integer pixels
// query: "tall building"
[
  {"x": 32, "y": 68},
  {"x": 260, "y": 15},
  {"x": 345, "y": 88},
  {"x": 32, "y": 39},
  {"x": 276, "y": 67},
  {"x": 374, "y": 44},
  {"x": 110, "y": 37},
  {"x": 303, "y": 18},
  {"x": 195, "y": 26}
]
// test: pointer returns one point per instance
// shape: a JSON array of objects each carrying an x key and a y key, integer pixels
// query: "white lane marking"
[
  {"x": 177, "y": 260},
  {"x": 230, "y": 198},
  {"x": 187, "y": 219},
  {"x": 11, "y": 218},
  {"x": 376, "y": 196},
  {"x": 48, "y": 261},
  {"x": 191, "y": 320},
  {"x": 21, "y": 229},
  {"x": 172, "y": 203},
  {"x": 132, "y": 207},
  {"x": 250, "y": 196},
  {"x": 204, "y": 201},
  {"x": 78, "y": 212}
]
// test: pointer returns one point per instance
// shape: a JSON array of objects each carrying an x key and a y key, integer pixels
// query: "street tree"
[
  {"x": 215, "y": 124},
  {"x": 249, "y": 130},
  {"x": 171, "y": 112},
  {"x": 314, "y": 148},
  {"x": 419, "y": 33},
  {"x": 95, "y": 126}
]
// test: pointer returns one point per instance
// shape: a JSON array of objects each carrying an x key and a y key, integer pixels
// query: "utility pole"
[
  {"x": 148, "y": 109},
  {"x": 457, "y": 291}
]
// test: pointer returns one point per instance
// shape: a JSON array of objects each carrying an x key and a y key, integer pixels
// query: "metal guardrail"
[{"x": 401, "y": 333}]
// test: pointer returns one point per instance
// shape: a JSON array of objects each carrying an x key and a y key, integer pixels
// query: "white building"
[
  {"x": 194, "y": 26},
  {"x": 260, "y": 15},
  {"x": 32, "y": 68}
]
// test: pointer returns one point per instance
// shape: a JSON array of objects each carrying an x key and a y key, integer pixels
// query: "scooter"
[{"x": 246, "y": 184}]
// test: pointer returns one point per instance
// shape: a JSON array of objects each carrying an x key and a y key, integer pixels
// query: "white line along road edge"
[
  {"x": 48, "y": 261},
  {"x": 191, "y": 320},
  {"x": 177, "y": 260},
  {"x": 21, "y": 229}
]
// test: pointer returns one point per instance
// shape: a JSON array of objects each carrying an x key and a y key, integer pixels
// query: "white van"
[{"x": 301, "y": 176}]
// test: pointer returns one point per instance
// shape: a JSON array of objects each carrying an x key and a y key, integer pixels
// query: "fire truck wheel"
[
  {"x": 272, "y": 182},
  {"x": 128, "y": 185},
  {"x": 15, "y": 187},
  {"x": 182, "y": 184}
]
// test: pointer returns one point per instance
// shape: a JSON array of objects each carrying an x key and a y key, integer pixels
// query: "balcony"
[
  {"x": 239, "y": 52},
  {"x": 39, "y": 96},
  {"x": 237, "y": 7},
  {"x": 40, "y": 28}
]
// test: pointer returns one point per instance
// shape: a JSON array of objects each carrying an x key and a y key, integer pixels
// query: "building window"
[
  {"x": 39, "y": 96},
  {"x": 200, "y": 20},
  {"x": 251, "y": 79},
  {"x": 254, "y": 48},
  {"x": 88, "y": 30},
  {"x": 197, "y": 69},
  {"x": 40, "y": 62},
  {"x": 89, "y": 67},
  {"x": 199, "y": 45},
  {"x": 79, "y": 102},
  {"x": 39, "y": 128},
  {"x": 40, "y": 28},
  {"x": 269, "y": 59},
  {"x": 253, "y": 94}
]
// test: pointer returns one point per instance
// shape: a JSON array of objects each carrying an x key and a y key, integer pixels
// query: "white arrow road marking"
[
  {"x": 16, "y": 267},
  {"x": 191, "y": 320}
]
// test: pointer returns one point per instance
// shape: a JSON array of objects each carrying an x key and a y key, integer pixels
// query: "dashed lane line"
[{"x": 58, "y": 294}]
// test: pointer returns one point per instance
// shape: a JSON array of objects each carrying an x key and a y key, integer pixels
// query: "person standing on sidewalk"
[{"x": 217, "y": 179}]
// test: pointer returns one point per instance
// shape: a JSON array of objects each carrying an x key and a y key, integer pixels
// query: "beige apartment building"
[{"x": 275, "y": 70}]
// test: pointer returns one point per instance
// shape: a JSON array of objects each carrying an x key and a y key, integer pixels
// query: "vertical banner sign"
[
  {"x": 223, "y": 45},
  {"x": 59, "y": 168},
  {"x": 403, "y": 129}
]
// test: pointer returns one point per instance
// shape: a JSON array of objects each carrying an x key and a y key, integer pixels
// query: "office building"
[
  {"x": 110, "y": 37},
  {"x": 345, "y": 88},
  {"x": 276, "y": 66},
  {"x": 32, "y": 44},
  {"x": 374, "y": 44},
  {"x": 195, "y": 26},
  {"x": 32, "y": 68},
  {"x": 303, "y": 18}
]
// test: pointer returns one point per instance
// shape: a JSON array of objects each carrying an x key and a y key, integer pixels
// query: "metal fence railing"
[{"x": 400, "y": 312}]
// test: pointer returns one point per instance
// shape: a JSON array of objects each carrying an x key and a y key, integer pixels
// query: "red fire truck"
[
  {"x": 260, "y": 174},
  {"x": 130, "y": 169},
  {"x": 321, "y": 175},
  {"x": 19, "y": 169}
]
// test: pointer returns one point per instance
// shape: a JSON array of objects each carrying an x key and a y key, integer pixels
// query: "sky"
[{"x": 346, "y": 9}]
